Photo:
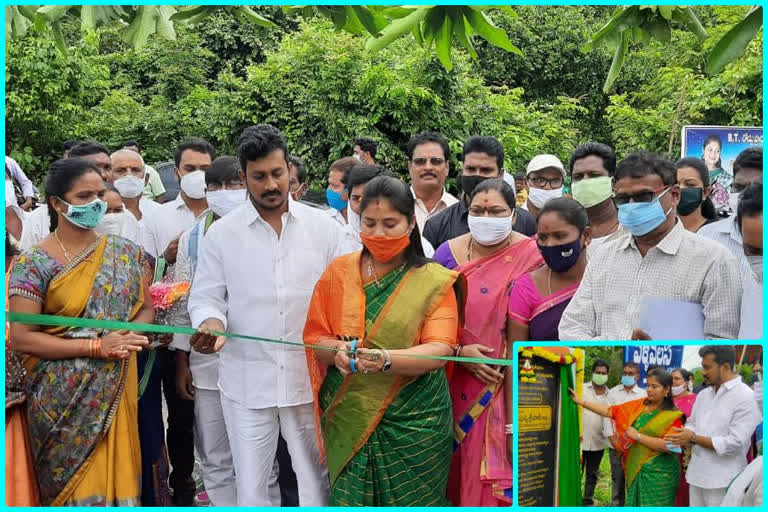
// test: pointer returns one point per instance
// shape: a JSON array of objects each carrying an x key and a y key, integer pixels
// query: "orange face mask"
[{"x": 384, "y": 248}]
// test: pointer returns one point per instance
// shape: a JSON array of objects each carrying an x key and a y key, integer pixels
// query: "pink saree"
[{"x": 481, "y": 472}]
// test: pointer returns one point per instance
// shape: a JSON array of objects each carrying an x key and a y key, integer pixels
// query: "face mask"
[
  {"x": 756, "y": 264},
  {"x": 224, "y": 201},
  {"x": 130, "y": 186},
  {"x": 642, "y": 218},
  {"x": 592, "y": 191},
  {"x": 539, "y": 196},
  {"x": 690, "y": 199},
  {"x": 353, "y": 219},
  {"x": 598, "y": 379},
  {"x": 628, "y": 380},
  {"x": 193, "y": 184},
  {"x": 385, "y": 248},
  {"x": 490, "y": 230},
  {"x": 561, "y": 257},
  {"x": 357, "y": 157},
  {"x": 10, "y": 194},
  {"x": 468, "y": 183},
  {"x": 87, "y": 216},
  {"x": 676, "y": 390},
  {"x": 334, "y": 200},
  {"x": 111, "y": 224},
  {"x": 733, "y": 201}
]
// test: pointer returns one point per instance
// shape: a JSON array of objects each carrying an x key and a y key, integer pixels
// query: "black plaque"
[{"x": 537, "y": 434}]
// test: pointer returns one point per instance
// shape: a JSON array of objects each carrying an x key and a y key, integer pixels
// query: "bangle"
[
  {"x": 508, "y": 429},
  {"x": 457, "y": 352},
  {"x": 95, "y": 347}
]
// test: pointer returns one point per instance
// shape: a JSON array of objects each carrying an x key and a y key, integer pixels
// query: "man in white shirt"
[
  {"x": 192, "y": 158},
  {"x": 255, "y": 276},
  {"x": 129, "y": 173},
  {"x": 14, "y": 173},
  {"x": 37, "y": 224},
  {"x": 720, "y": 428},
  {"x": 154, "y": 188},
  {"x": 625, "y": 392},
  {"x": 428, "y": 165},
  {"x": 750, "y": 220},
  {"x": 594, "y": 441},
  {"x": 336, "y": 194}
]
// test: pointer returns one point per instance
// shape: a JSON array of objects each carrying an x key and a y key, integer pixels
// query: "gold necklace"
[
  {"x": 372, "y": 270},
  {"x": 469, "y": 248},
  {"x": 66, "y": 254}
]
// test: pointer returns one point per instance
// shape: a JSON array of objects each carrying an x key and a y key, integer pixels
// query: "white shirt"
[
  {"x": 37, "y": 225},
  {"x": 729, "y": 417},
  {"x": 149, "y": 209},
  {"x": 682, "y": 267},
  {"x": 260, "y": 285},
  {"x": 619, "y": 395},
  {"x": 726, "y": 232},
  {"x": 593, "y": 438},
  {"x": 751, "y": 324},
  {"x": 337, "y": 216},
  {"x": 422, "y": 214},
  {"x": 166, "y": 224},
  {"x": 204, "y": 367}
]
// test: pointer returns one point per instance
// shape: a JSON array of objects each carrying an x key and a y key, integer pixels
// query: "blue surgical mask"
[
  {"x": 86, "y": 216},
  {"x": 642, "y": 218},
  {"x": 628, "y": 380},
  {"x": 334, "y": 200}
]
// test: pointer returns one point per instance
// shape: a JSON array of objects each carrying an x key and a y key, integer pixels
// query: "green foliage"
[
  {"x": 47, "y": 95},
  {"x": 679, "y": 92}
]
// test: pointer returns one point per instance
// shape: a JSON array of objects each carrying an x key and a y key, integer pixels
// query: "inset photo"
[{"x": 639, "y": 426}]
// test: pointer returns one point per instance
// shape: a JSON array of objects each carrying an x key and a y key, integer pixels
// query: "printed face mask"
[
  {"x": 86, "y": 216},
  {"x": 562, "y": 257}
]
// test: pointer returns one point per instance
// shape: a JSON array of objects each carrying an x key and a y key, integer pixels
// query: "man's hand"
[
  {"x": 679, "y": 436},
  {"x": 205, "y": 342},
  {"x": 639, "y": 334},
  {"x": 184, "y": 376},
  {"x": 171, "y": 250}
]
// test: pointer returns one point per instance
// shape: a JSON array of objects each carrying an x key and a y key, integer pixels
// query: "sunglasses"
[
  {"x": 423, "y": 161},
  {"x": 641, "y": 197}
]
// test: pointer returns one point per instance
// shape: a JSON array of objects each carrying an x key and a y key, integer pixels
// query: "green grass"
[{"x": 603, "y": 488}]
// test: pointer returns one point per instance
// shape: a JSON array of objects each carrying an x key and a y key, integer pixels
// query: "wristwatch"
[{"x": 387, "y": 362}]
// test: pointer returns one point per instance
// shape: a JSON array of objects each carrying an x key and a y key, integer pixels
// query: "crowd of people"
[
  {"x": 379, "y": 288},
  {"x": 671, "y": 444}
]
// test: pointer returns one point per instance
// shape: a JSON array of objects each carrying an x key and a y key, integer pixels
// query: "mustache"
[
  {"x": 270, "y": 194},
  {"x": 428, "y": 173}
]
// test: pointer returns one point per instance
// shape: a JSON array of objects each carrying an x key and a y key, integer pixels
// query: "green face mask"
[
  {"x": 592, "y": 191},
  {"x": 598, "y": 379}
]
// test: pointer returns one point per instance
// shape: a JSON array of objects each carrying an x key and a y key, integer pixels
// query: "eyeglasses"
[
  {"x": 423, "y": 161},
  {"x": 641, "y": 197},
  {"x": 543, "y": 182}
]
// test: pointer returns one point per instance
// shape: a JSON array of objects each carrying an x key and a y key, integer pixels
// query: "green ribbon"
[{"x": 113, "y": 325}]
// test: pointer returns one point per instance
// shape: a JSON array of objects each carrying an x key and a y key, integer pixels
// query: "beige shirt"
[
  {"x": 593, "y": 438},
  {"x": 422, "y": 215},
  {"x": 682, "y": 267}
]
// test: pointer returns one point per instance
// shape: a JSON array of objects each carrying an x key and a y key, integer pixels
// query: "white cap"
[{"x": 540, "y": 162}]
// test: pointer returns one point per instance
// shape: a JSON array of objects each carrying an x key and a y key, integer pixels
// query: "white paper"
[{"x": 665, "y": 319}]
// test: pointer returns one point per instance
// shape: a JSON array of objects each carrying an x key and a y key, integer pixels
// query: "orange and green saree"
[
  {"x": 652, "y": 477},
  {"x": 387, "y": 439},
  {"x": 83, "y": 412}
]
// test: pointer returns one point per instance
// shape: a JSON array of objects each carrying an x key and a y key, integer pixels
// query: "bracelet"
[
  {"x": 508, "y": 429},
  {"x": 457, "y": 352},
  {"x": 95, "y": 348}
]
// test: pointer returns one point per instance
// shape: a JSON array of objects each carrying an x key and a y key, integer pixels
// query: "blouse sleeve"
[
  {"x": 29, "y": 278},
  {"x": 522, "y": 299},
  {"x": 443, "y": 324}
]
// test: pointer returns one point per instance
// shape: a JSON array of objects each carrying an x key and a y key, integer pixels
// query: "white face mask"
[
  {"x": 733, "y": 201},
  {"x": 676, "y": 390},
  {"x": 193, "y": 184},
  {"x": 111, "y": 224},
  {"x": 353, "y": 219},
  {"x": 129, "y": 186},
  {"x": 756, "y": 264},
  {"x": 490, "y": 230},
  {"x": 539, "y": 196},
  {"x": 224, "y": 201},
  {"x": 10, "y": 194}
]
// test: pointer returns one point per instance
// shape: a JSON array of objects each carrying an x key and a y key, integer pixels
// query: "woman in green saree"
[
  {"x": 651, "y": 465},
  {"x": 384, "y": 419}
]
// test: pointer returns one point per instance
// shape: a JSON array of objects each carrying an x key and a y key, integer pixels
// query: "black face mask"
[
  {"x": 690, "y": 199},
  {"x": 468, "y": 183}
]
